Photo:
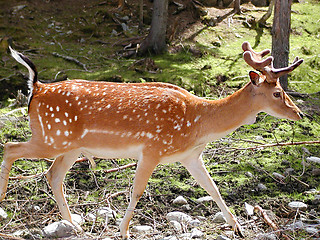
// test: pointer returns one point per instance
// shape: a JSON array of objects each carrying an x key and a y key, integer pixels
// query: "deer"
[{"x": 154, "y": 123}]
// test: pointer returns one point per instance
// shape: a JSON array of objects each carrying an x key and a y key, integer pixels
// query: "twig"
[
  {"x": 273, "y": 225},
  {"x": 70, "y": 59},
  {"x": 274, "y": 145},
  {"x": 9, "y": 237}
]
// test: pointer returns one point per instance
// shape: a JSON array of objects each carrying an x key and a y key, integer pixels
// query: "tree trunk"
[
  {"x": 155, "y": 42},
  {"x": 280, "y": 36}
]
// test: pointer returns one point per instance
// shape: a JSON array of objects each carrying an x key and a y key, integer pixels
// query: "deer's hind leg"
[
  {"x": 56, "y": 175},
  {"x": 14, "y": 151}
]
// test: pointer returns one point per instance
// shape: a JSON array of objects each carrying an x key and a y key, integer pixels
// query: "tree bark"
[
  {"x": 280, "y": 37},
  {"x": 155, "y": 42}
]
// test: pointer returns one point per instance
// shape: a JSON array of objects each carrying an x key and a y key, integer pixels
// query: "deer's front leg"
[
  {"x": 143, "y": 172},
  {"x": 201, "y": 175}
]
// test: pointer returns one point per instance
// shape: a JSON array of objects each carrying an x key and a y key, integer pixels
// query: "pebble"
[
  {"x": 142, "y": 229},
  {"x": 312, "y": 230},
  {"x": 106, "y": 212},
  {"x": 262, "y": 187},
  {"x": 278, "y": 176},
  {"x": 267, "y": 236},
  {"x": 180, "y": 201},
  {"x": 249, "y": 209},
  {"x": 76, "y": 218},
  {"x": 205, "y": 199},
  {"x": 298, "y": 205},
  {"x": 313, "y": 159},
  {"x": 221, "y": 237},
  {"x": 249, "y": 174},
  {"x": 316, "y": 200},
  {"x": 179, "y": 217},
  {"x": 195, "y": 223},
  {"x": 176, "y": 225},
  {"x": 91, "y": 217},
  {"x": 59, "y": 229},
  {"x": 219, "y": 218},
  {"x": 195, "y": 233},
  {"x": 3, "y": 214}
]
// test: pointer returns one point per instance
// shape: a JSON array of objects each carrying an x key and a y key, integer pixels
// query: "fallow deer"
[{"x": 151, "y": 122}]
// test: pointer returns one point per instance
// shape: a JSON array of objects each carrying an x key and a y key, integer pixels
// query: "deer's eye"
[{"x": 277, "y": 94}]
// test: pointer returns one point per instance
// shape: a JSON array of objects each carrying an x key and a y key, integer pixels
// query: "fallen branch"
[
  {"x": 274, "y": 145},
  {"x": 70, "y": 59},
  {"x": 9, "y": 237},
  {"x": 272, "y": 224}
]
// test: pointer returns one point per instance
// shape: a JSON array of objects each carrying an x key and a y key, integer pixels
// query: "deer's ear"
[{"x": 255, "y": 78}]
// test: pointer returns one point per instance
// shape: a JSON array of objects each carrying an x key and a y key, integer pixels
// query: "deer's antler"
[{"x": 265, "y": 66}]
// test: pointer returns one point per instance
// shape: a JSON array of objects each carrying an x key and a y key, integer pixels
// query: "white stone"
[
  {"x": 262, "y": 187},
  {"x": 298, "y": 205},
  {"x": 195, "y": 233},
  {"x": 195, "y": 223},
  {"x": 312, "y": 230},
  {"x": 76, "y": 218},
  {"x": 205, "y": 199},
  {"x": 106, "y": 212},
  {"x": 313, "y": 159},
  {"x": 91, "y": 217},
  {"x": 176, "y": 225},
  {"x": 249, "y": 209},
  {"x": 142, "y": 229},
  {"x": 180, "y": 200},
  {"x": 221, "y": 237},
  {"x": 59, "y": 229},
  {"x": 278, "y": 176},
  {"x": 3, "y": 214},
  {"x": 179, "y": 217},
  {"x": 219, "y": 218}
]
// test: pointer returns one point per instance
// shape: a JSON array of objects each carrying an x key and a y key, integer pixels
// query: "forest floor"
[{"x": 205, "y": 60}]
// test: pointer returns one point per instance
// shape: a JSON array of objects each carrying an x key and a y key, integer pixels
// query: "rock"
[
  {"x": 306, "y": 150},
  {"x": 219, "y": 218},
  {"x": 249, "y": 174},
  {"x": 195, "y": 233},
  {"x": 296, "y": 225},
  {"x": 195, "y": 223},
  {"x": 142, "y": 229},
  {"x": 298, "y": 205},
  {"x": 176, "y": 225},
  {"x": 315, "y": 172},
  {"x": 180, "y": 201},
  {"x": 221, "y": 237},
  {"x": 289, "y": 171},
  {"x": 313, "y": 159},
  {"x": 267, "y": 236},
  {"x": 76, "y": 218},
  {"x": 186, "y": 207},
  {"x": 179, "y": 217},
  {"x": 59, "y": 229},
  {"x": 18, "y": 8},
  {"x": 312, "y": 230},
  {"x": 278, "y": 176},
  {"x": 204, "y": 199},
  {"x": 3, "y": 214},
  {"x": 262, "y": 187},
  {"x": 316, "y": 200},
  {"x": 91, "y": 217},
  {"x": 249, "y": 209},
  {"x": 106, "y": 212}
]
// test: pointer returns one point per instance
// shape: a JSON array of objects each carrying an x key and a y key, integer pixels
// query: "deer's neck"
[{"x": 225, "y": 115}]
